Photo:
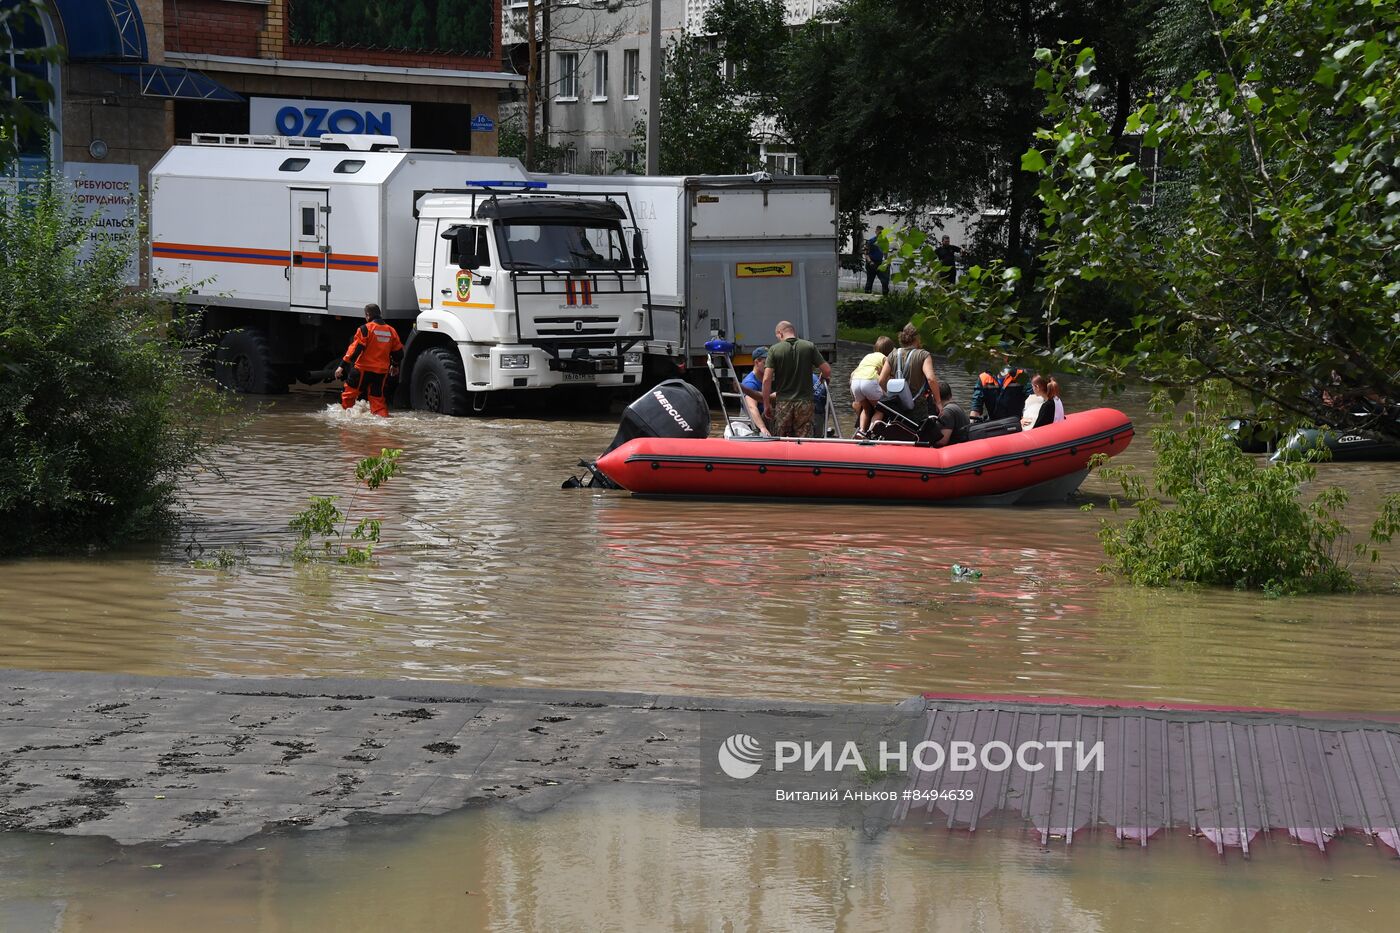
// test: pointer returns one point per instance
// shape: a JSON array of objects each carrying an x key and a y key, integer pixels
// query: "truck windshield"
[{"x": 563, "y": 247}]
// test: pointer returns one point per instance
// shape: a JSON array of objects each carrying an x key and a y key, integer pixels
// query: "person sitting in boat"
[
  {"x": 819, "y": 407},
  {"x": 952, "y": 424},
  {"x": 1043, "y": 406},
  {"x": 865, "y": 383},
  {"x": 752, "y": 387},
  {"x": 1001, "y": 396},
  {"x": 905, "y": 377}
]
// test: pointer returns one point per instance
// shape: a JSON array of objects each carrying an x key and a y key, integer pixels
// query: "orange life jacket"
[
  {"x": 1011, "y": 377},
  {"x": 375, "y": 347}
]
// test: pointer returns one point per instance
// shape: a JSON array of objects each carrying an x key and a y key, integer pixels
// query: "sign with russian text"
[
  {"x": 278, "y": 116},
  {"x": 105, "y": 196},
  {"x": 763, "y": 270},
  {"x": 481, "y": 123}
]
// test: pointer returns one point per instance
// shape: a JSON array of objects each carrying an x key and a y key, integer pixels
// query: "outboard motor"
[{"x": 674, "y": 408}]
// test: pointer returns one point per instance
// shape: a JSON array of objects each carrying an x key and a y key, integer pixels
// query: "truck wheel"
[
  {"x": 243, "y": 362},
  {"x": 438, "y": 383}
]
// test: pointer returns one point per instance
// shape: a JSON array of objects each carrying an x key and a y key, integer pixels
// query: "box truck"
[
  {"x": 735, "y": 254},
  {"x": 496, "y": 283}
]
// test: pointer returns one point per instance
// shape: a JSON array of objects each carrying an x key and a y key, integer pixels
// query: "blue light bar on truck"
[{"x": 508, "y": 184}]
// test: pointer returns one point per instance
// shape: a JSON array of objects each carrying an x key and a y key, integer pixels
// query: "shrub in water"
[
  {"x": 1226, "y": 519},
  {"x": 100, "y": 410},
  {"x": 322, "y": 519}
]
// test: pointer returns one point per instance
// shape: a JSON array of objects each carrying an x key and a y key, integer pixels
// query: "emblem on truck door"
[{"x": 464, "y": 284}]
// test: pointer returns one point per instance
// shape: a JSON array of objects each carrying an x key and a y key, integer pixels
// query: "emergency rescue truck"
[{"x": 495, "y": 283}]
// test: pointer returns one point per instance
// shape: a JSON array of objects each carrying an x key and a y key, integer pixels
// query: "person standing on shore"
[
  {"x": 875, "y": 264},
  {"x": 947, "y": 255},
  {"x": 788, "y": 399}
]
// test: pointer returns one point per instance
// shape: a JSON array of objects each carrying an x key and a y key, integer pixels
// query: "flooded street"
[{"x": 490, "y": 573}]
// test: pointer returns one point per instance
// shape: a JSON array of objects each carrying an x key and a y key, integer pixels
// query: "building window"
[
  {"x": 600, "y": 75},
  {"x": 781, "y": 163},
  {"x": 598, "y": 161},
  {"x": 21, "y": 80},
  {"x": 632, "y": 161},
  {"x": 570, "y": 160},
  {"x": 568, "y": 76},
  {"x": 632, "y": 74}
]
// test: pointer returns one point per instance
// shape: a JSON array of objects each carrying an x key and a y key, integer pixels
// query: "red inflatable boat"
[{"x": 1044, "y": 464}]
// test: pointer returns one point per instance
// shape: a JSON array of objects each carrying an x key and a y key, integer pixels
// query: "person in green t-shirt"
[{"x": 787, "y": 382}]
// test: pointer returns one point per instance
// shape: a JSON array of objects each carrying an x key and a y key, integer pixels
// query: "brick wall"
[
  {"x": 213, "y": 27},
  {"x": 396, "y": 59}
]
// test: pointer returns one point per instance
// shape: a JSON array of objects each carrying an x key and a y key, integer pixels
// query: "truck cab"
[{"x": 522, "y": 290}]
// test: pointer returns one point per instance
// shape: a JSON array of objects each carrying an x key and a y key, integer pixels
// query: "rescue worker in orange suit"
[
  {"x": 1002, "y": 395},
  {"x": 372, "y": 357}
]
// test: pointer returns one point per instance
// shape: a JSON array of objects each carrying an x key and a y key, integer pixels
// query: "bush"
[
  {"x": 102, "y": 409},
  {"x": 1228, "y": 520},
  {"x": 322, "y": 519},
  {"x": 891, "y": 312}
]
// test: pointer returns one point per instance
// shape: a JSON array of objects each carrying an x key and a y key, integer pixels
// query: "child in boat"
[
  {"x": 865, "y": 383},
  {"x": 1043, "y": 406}
]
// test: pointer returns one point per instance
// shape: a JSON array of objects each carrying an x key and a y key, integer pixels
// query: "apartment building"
[{"x": 596, "y": 58}]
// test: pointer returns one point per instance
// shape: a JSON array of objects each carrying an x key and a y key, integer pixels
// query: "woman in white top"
[{"x": 1043, "y": 405}]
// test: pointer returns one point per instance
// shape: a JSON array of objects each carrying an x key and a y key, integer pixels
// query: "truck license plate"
[{"x": 578, "y": 377}]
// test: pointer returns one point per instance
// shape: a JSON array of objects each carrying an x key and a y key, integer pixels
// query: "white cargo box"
[
  {"x": 298, "y": 228},
  {"x": 736, "y": 253}
]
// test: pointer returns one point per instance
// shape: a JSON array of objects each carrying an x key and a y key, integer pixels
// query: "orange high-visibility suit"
[{"x": 371, "y": 356}]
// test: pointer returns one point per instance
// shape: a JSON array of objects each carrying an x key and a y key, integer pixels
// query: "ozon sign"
[{"x": 313, "y": 118}]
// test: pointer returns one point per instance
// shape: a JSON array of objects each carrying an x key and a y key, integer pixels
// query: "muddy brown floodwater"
[{"x": 490, "y": 573}]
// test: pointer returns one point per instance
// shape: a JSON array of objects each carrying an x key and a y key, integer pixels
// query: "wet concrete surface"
[{"x": 175, "y": 760}]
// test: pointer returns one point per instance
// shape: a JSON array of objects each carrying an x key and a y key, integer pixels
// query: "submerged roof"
[{"x": 1232, "y": 776}]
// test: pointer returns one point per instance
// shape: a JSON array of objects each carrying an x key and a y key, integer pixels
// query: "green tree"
[
  {"x": 511, "y": 142},
  {"x": 104, "y": 411},
  {"x": 705, "y": 127},
  {"x": 753, "y": 39},
  {"x": 921, "y": 105},
  {"x": 1286, "y": 280}
]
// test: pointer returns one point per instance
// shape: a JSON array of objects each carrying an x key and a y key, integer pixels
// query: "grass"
[{"x": 864, "y": 334}]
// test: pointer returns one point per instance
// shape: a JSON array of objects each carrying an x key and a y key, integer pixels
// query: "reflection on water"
[
  {"x": 491, "y": 573},
  {"x": 639, "y": 861}
]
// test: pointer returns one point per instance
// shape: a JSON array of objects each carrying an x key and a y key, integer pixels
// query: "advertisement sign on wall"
[
  {"x": 106, "y": 195},
  {"x": 280, "y": 116}
]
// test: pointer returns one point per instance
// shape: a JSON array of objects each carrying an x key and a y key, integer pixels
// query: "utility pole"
[
  {"x": 546, "y": 81},
  {"x": 532, "y": 84},
  {"x": 654, "y": 90}
]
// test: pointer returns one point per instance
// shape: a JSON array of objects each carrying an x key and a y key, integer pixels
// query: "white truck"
[
  {"x": 496, "y": 283},
  {"x": 734, "y": 254}
]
